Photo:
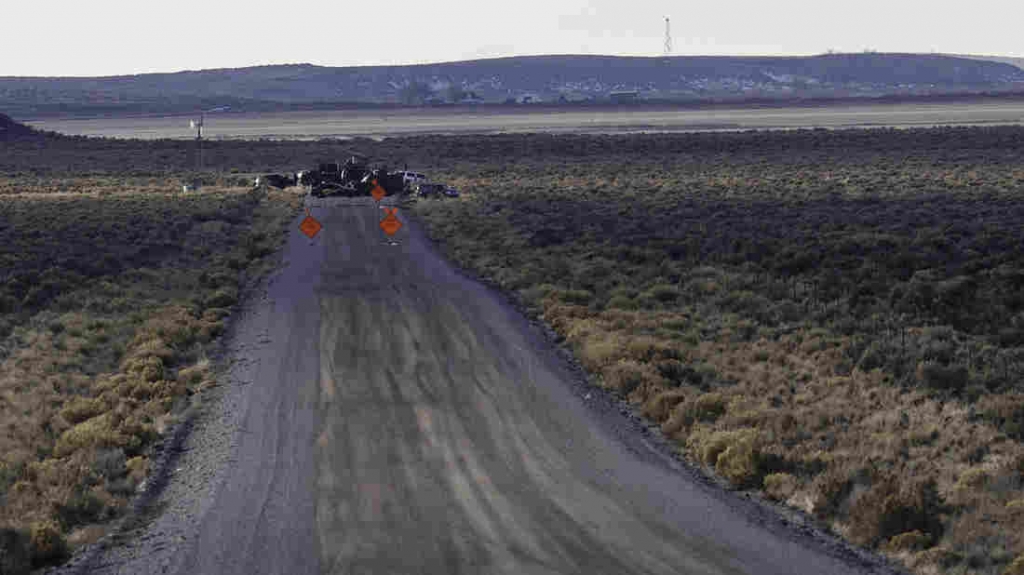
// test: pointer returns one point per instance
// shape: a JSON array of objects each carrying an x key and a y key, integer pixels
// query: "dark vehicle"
[
  {"x": 427, "y": 190},
  {"x": 354, "y": 178},
  {"x": 280, "y": 181},
  {"x": 433, "y": 190}
]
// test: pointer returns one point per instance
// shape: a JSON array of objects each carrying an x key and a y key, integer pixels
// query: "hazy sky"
[{"x": 105, "y": 37}]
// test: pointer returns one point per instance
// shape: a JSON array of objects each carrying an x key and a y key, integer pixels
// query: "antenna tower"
[{"x": 668, "y": 37}]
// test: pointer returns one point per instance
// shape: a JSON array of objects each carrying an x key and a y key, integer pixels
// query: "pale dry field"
[{"x": 380, "y": 123}]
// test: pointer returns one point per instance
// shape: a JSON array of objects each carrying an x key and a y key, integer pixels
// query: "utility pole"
[
  {"x": 668, "y": 37},
  {"x": 197, "y": 125}
]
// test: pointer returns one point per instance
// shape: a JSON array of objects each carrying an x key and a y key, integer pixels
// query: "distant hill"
[
  {"x": 11, "y": 130},
  {"x": 519, "y": 79},
  {"x": 1018, "y": 62}
]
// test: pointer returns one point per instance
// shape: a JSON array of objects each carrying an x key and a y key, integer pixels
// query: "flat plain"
[
  {"x": 831, "y": 319},
  {"x": 523, "y": 119}
]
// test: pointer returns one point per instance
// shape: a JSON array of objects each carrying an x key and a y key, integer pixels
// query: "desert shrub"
[
  {"x": 223, "y": 298},
  {"x": 15, "y": 552},
  {"x": 83, "y": 506},
  {"x": 910, "y": 541},
  {"x": 627, "y": 375},
  {"x": 660, "y": 407},
  {"x": 941, "y": 377},
  {"x": 660, "y": 295},
  {"x": 873, "y": 357},
  {"x": 98, "y": 431},
  {"x": 1015, "y": 568},
  {"x": 922, "y": 437},
  {"x": 740, "y": 462},
  {"x": 573, "y": 296},
  {"x": 109, "y": 463},
  {"x": 137, "y": 468},
  {"x": 622, "y": 302},
  {"x": 646, "y": 348},
  {"x": 780, "y": 486},
  {"x": 675, "y": 371},
  {"x": 894, "y": 505},
  {"x": 830, "y": 491},
  {"x": 194, "y": 374},
  {"x": 734, "y": 454},
  {"x": 47, "y": 544},
  {"x": 80, "y": 409},
  {"x": 598, "y": 352},
  {"x": 942, "y": 557},
  {"x": 1006, "y": 412},
  {"x": 708, "y": 407},
  {"x": 215, "y": 314}
]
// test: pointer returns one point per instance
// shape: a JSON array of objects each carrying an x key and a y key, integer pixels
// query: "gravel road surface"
[{"x": 385, "y": 414}]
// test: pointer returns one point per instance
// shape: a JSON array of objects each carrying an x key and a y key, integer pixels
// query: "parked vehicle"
[
  {"x": 428, "y": 190},
  {"x": 352, "y": 179},
  {"x": 411, "y": 179}
]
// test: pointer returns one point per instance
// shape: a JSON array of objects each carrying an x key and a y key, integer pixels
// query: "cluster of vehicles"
[{"x": 355, "y": 178}]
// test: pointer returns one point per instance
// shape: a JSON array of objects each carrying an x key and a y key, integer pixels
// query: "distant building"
[{"x": 624, "y": 96}]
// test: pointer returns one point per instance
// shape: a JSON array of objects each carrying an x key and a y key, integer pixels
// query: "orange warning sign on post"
[
  {"x": 310, "y": 226},
  {"x": 390, "y": 223},
  {"x": 377, "y": 192}
]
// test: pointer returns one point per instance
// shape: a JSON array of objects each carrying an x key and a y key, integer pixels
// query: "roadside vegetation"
[
  {"x": 111, "y": 296},
  {"x": 835, "y": 319}
]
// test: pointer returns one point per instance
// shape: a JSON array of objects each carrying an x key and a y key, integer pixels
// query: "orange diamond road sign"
[
  {"x": 390, "y": 223},
  {"x": 310, "y": 226},
  {"x": 377, "y": 192}
]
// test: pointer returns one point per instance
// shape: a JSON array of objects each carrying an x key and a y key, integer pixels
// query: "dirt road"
[{"x": 401, "y": 418}]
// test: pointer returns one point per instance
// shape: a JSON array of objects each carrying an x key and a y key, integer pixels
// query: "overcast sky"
[{"x": 106, "y": 37}]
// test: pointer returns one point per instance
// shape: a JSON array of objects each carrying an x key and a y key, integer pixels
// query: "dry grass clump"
[
  {"x": 780, "y": 486},
  {"x": 734, "y": 454}
]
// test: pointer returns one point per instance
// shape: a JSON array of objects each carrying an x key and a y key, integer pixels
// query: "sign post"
[
  {"x": 310, "y": 225},
  {"x": 390, "y": 224}
]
